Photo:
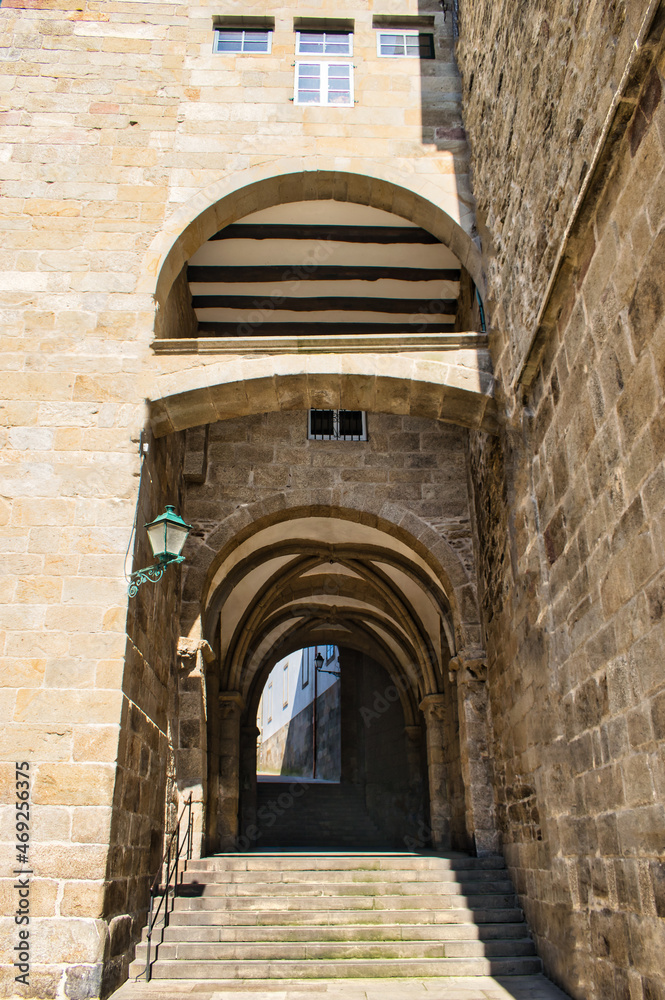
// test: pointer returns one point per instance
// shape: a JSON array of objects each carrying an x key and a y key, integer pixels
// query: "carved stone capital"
[
  {"x": 433, "y": 707},
  {"x": 468, "y": 667},
  {"x": 231, "y": 703}
]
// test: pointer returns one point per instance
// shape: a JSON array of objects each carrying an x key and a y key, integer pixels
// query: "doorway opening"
[
  {"x": 332, "y": 764},
  {"x": 299, "y": 718}
]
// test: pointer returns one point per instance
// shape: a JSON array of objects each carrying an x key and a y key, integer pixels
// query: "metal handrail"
[{"x": 156, "y": 883}]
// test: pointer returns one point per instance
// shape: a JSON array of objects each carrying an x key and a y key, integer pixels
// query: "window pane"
[
  {"x": 339, "y": 90},
  {"x": 426, "y": 46},
  {"x": 392, "y": 45},
  {"x": 309, "y": 83},
  {"x": 350, "y": 423},
  {"x": 229, "y": 41},
  {"x": 322, "y": 422},
  {"x": 256, "y": 41},
  {"x": 310, "y": 42},
  {"x": 412, "y": 45},
  {"x": 338, "y": 45}
]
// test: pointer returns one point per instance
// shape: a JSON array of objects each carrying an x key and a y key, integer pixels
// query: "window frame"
[
  {"x": 405, "y": 32},
  {"x": 269, "y": 702},
  {"x": 285, "y": 686},
  {"x": 300, "y": 32},
  {"x": 242, "y": 32},
  {"x": 324, "y": 66}
]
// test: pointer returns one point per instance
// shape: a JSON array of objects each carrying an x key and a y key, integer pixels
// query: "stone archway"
[
  {"x": 275, "y": 577},
  {"x": 439, "y": 390},
  {"x": 245, "y": 191}
]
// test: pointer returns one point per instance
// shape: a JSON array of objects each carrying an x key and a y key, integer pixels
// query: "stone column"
[
  {"x": 469, "y": 669},
  {"x": 433, "y": 708},
  {"x": 192, "y": 734},
  {"x": 231, "y": 706},
  {"x": 248, "y": 828},
  {"x": 414, "y": 766}
]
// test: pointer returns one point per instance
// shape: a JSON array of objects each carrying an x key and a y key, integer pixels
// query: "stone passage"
[
  {"x": 323, "y": 815},
  {"x": 342, "y": 915}
]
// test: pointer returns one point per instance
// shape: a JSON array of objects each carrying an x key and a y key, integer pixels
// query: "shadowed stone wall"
[
  {"x": 570, "y": 500},
  {"x": 148, "y": 740}
]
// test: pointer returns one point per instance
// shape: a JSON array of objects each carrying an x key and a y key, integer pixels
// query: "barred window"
[{"x": 337, "y": 425}]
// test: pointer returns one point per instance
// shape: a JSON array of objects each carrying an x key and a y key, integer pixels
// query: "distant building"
[{"x": 288, "y": 727}]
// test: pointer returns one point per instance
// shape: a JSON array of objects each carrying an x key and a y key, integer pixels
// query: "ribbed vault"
[
  {"x": 315, "y": 580},
  {"x": 303, "y": 576}
]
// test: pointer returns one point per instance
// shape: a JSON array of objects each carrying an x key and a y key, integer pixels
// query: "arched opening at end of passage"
[
  {"x": 298, "y": 718},
  {"x": 336, "y": 767}
]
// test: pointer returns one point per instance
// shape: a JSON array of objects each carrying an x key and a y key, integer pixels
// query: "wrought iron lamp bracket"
[{"x": 151, "y": 574}]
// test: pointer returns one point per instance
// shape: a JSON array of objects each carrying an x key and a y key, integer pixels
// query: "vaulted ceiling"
[
  {"x": 311, "y": 267},
  {"x": 322, "y": 580}
]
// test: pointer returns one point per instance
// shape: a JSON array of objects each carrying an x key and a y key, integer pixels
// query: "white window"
[
  {"x": 285, "y": 688},
  {"x": 269, "y": 702},
  {"x": 305, "y": 668},
  {"x": 324, "y": 43},
  {"x": 324, "y": 84},
  {"x": 405, "y": 43},
  {"x": 242, "y": 41},
  {"x": 330, "y": 652}
]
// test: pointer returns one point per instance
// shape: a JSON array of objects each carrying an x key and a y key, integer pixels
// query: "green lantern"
[{"x": 167, "y": 535}]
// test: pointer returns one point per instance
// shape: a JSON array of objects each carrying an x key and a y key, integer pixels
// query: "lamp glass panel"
[
  {"x": 157, "y": 541},
  {"x": 176, "y": 536}
]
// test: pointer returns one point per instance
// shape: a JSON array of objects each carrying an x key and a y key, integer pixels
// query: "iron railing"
[{"x": 172, "y": 853}]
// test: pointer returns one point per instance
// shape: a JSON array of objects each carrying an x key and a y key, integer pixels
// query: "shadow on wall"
[{"x": 442, "y": 123}]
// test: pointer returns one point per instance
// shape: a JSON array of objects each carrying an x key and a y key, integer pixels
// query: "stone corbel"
[
  {"x": 192, "y": 654},
  {"x": 187, "y": 648},
  {"x": 468, "y": 667}
]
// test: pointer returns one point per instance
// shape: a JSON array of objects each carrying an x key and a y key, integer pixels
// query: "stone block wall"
[
  {"x": 570, "y": 499},
  {"x": 538, "y": 82},
  {"x": 374, "y": 755},
  {"x": 411, "y": 461}
]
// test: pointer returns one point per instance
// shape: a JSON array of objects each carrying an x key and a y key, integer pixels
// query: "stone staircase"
[
  {"x": 338, "y": 915},
  {"x": 325, "y": 814}
]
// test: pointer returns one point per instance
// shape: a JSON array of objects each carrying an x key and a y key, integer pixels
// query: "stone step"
[
  {"x": 303, "y": 861},
  {"x": 322, "y": 951},
  {"x": 366, "y": 968},
  {"x": 339, "y": 888},
  {"x": 336, "y": 901},
  {"x": 466, "y": 877},
  {"x": 303, "y": 915},
  {"x": 344, "y": 932},
  {"x": 318, "y": 917}
]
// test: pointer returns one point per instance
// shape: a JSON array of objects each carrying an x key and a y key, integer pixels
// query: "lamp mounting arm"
[{"x": 151, "y": 574}]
